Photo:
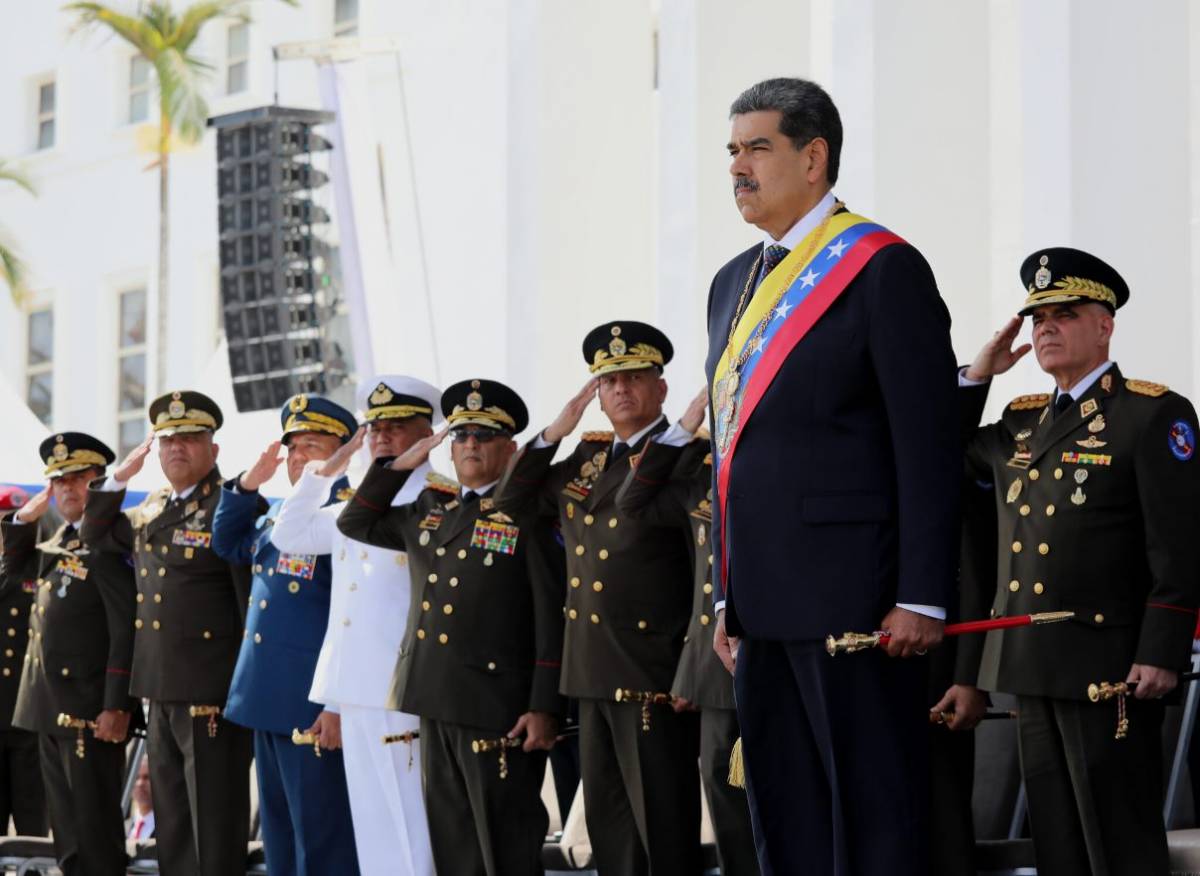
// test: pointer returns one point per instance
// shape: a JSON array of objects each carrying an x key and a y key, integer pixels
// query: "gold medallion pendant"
[{"x": 725, "y": 402}]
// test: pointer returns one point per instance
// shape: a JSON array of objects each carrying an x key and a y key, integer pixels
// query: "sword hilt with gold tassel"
[
  {"x": 1103, "y": 691},
  {"x": 312, "y": 739},
  {"x": 78, "y": 725},
  {"x": 408, "y": 738},
  {"x": 210, "y": 712},
  {"x": 849, "y": 643},
  {"x": 646, "y": 698},
  {"x": 502, "y": 745}
]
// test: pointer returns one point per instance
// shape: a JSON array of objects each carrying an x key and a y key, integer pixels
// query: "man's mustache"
[{"x": 744, "y": 183}]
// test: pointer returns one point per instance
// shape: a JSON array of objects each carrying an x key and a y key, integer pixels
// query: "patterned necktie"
[
  {"x": 772, "y": 256},
  {"x": 1061, "y": 403}
]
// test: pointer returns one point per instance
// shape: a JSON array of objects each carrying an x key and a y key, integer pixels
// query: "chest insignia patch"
[
  {"x": 496, "y": 537},
  {"x": 1087, "y": 458},
  {"x": 191, "y": 538},
  {"x": 1182, "y": 440},
  {"x": 297, "y": 565}
]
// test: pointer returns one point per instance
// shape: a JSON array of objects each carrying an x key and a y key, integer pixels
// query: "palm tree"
[
  {"x": 165, "y": 38},
  {"x": 12, "y": 269}
]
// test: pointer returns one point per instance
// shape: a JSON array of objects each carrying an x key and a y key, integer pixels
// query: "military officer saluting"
[
  {"x": 480, "y": 658},
  {"x": 368, "y": 606},
  {"x": 77, "y": 664},
  {"x": 303, "y": 805},
  {"x": 190, "y": 607},
  {"x": 629, "y": 599},
  {"x": 1096, "y": 489},
  {"x": 678, "y": 481}
]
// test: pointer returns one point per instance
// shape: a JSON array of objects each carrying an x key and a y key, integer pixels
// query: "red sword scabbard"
[{"x": 851, "y": 642}]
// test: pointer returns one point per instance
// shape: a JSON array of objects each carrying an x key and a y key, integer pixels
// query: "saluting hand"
[
  {"x": 540, "y": 729},
  {"x": 133, "y": 463},
  {"x": 263, "y": 470},
  {"x": 566, "y": 422},
  {"x": 693, "y": 417},
  {"x": 419, "y": 452},
  {"x": 32, "y": 510},
  {"x": 339, "y": 461},
  {"x": 998, "y": 355}
]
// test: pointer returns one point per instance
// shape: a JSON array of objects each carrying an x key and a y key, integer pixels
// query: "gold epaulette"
[
  {"x": 150, "y": 507},
  {"x": 606, "y": 437},
  {"x": 1030, "y": 402},
  {"x": 345, "y": 494},
  {"x": 435, "y": 481},
  {"x": 1145, "y": 387}
]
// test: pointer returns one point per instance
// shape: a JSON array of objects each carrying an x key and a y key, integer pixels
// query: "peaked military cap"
[
  {"x": 315, "y": 413},
  {"x": 69, "y": 452},
  {"x": 1062, "y": 275},
  {"x": 484, "y": 403},
  {"x": 396, "y": 397},
  {"x": 626, "y": 345},
  {"x": 184, "y": 411}
]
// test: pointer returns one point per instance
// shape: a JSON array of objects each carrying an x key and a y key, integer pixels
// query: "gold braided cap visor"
[
  {"x": 639, "y": 356},
  {"x": 397, "y": 412},
  {"x": 1068, "y": 290},
  {"x": 193, "y": 420},
  {"x": 310, "y": 421},
  {"x": 77, "y": 461},
  {"x": 491, "y": 417}
]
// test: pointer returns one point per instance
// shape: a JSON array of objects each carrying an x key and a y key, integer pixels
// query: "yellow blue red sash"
[{"x": 846, "y": 243}]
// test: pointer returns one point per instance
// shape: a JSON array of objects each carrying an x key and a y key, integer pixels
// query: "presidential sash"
[{"x": 794, "y": 295}]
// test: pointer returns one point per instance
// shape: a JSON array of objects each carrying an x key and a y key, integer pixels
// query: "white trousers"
[{"x": 390, "y": 830}]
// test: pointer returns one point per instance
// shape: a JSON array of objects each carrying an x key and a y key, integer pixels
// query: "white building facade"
[{"x": 550, "y": 164}]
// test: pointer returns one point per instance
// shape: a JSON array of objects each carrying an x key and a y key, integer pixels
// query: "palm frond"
[
  {"x": 18, "y": 177},
  {"x": 12, "y": 272},
  {"x": 179, "y": 79},
  {"x": 199, "y": 14},
  {"x": 135, "y": 30}
]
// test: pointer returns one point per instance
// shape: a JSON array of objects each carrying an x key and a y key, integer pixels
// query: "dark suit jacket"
[
  {"x": 843, "y": 493},
  {"x": 485, "y": 625}
]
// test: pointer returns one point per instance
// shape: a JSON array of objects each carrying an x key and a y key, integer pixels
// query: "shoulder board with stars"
[
  {"x": 434, "y": 481},
  {"x": 1030, "y": 402},
  {"x": 1145, "y": 387},
  {"x": 606, "y": 437},
  {"x": 345, "y": 494},
  {"x": 150, "y": 507}
]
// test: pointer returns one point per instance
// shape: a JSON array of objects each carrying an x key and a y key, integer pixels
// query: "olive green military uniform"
[
  {"x": 190, "y": 610},
  {"x": 680, "y": 478},
  {"x": 1098, "y": 514},
  {"x": 627, "y": 610},
  {"x": 22, "y": 796},
  {"x": 482, "y": 647},
  {"x": 77, "y": 664}
]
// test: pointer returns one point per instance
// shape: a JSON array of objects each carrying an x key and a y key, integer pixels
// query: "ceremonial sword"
[{"x": 852, "y": 642}]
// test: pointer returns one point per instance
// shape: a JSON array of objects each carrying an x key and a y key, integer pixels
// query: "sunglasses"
[{"x": 483, "y": 436}]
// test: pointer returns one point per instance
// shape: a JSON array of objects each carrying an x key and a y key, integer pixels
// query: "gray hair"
[{"x": 807, "y": 112}]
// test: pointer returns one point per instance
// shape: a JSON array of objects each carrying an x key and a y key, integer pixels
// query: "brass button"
[
  {"x": 1016, "y": 547},
  {"x": 65, "y": 672},
  {"x": 262, "y": 603},
  {"x": 8, "y": 652},
  {"x": 1099, "y": 618},
  {"x": 158, "y": 597},
  {"x": 1025, "y": 509},
  {"x": 575, "y": 582},
  {"x": 7, "y": 671},
  {"x": 443, "y": 638},
  {"x": 1058, "y": 473},
  {"x": 432, "y": 577},
  {"x": 137, "y": 624},
  {"x": 710, "y": 559},
  {"x": 149, "y": 548},
  {"x": 1034, "y": 474},
  {"x": 257, "y": 638},
  {"x": 258, "y": 567},
  {"x": 293, "y": 587},
  {"x": 612, "y": 523},
  {"x": 705, "y": 620},
  {"x": 164, "y": 548},
  {"x": 642, "y": 625},
  {"x": 1038, "y": 588},
  {"x": 425, "y": 605},
  {"x": 208, "y": 634},
  {"x": 162, "y": 573},
  {"x": 1014, "y": 586},
  {"x": 42, "y": 610},
  {"x": 454, "y": 582},
  {"x": 13, "y": 611},
  {"x": 12, "y": 632},
  {"x": 572, "y": 614},
  {"x": 145, "y": 572},
  {"x": 462, "y": 553},
  {"x": 270, "y": 572},
  {"x": 604, "y": 553},
  {"x": 1050, "y": 510},
  {"x": 441, "y": 552},
  {"x": 588, "y": 520},
  {"x": 492, "y": 665},
  {"x": 345, "y": 621},
  {"x": 141, "y": 597},
  {"x": 447, "y": 609},
  {"x": 156, "y": 625},
  {"x": 707, "y": 587},
  {"x": 597, "y": 586},
  {"x": 579, "y": 549},
  {"x": 1043, "y": 549},
  {"x": 420, "y": 634},
  {"x": 595, "y": 618}
]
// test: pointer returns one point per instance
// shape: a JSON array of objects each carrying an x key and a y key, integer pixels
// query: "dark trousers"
[
  {"x": 836, "y": 758},
  {"x": 951, "y": 785},
  {"x": 727, "y": 805},
  {"x": 640, "y": 790},
  {"x": 201, "y": 792},
  {"x": 21, "y": 795},
  {"x": 304, "y": 808},
  {"x": 1095, "y": 802},
  {"x": 84, "y": 794},
  {"x": 464, "y": 790}
]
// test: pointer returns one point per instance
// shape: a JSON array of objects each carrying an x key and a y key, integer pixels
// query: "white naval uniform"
[{"x": 368, "y": 610}]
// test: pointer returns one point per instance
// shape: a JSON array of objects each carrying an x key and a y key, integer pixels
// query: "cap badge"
[
  {"x": 298, "y": 403},
  {"x": 382, "y": 395},
  {"x": 617, "y": 345},
  {"x": 60, "y": 450},
  {"x": 1042, "y": 278},
  {"x": 474, "y": 401}
]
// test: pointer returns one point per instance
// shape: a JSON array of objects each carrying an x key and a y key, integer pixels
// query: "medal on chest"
[
  {"x": 296, "y": 565},
  {"x": 69, "y": 570},
  {"x": 580, "y": 487},
  {"x": 725, "y": 409},
  {"x": 495, "y": 536}
]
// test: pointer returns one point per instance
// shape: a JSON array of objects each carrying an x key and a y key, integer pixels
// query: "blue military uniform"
[{"x": 304, "y": 805}]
